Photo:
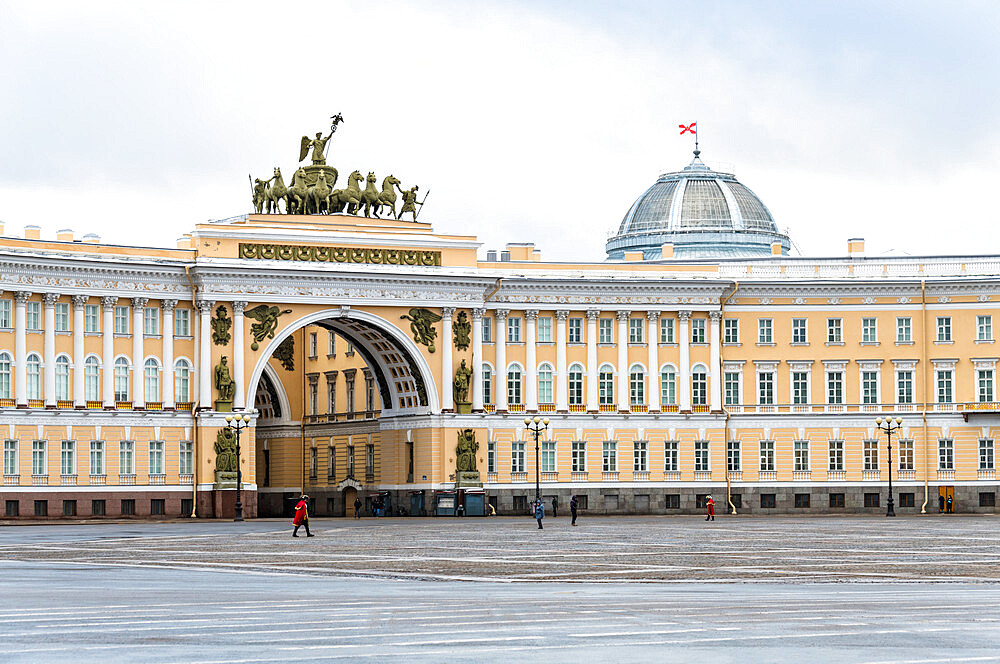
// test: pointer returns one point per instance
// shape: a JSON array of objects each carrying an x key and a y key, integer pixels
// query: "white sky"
[{"x": 527, "y": 121}]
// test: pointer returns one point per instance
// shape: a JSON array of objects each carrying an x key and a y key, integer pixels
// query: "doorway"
[
  {"x": 350, "y": 494},
  {"x": 946, "y": 499}
]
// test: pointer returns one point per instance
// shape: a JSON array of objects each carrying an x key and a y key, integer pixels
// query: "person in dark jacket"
[
  {"x": 940, "y": 504},
  {"x": 357, "y": 508},
  {"x": 951, "y": 507},
  {"x": 539, "y": 512},
  {"x": 573, "y": 504},
  {"x": 301, "y": 516},
  {"x": 555, "y": 506}
]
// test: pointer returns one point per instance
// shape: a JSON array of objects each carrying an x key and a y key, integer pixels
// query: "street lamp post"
[
  {"x": 537, "y": 425},
  {"x": 238, "y": 423},
  {"x": 889, "y": 427}
]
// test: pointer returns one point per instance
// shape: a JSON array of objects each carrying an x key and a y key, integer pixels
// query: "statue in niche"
[
  {"x": 460, "y": 388},
  {"x": 221, "y": 325},
  {"x": 225, "y": 451}
]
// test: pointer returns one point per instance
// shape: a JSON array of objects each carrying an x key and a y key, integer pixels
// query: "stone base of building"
[{"x": 122, "y": 504}]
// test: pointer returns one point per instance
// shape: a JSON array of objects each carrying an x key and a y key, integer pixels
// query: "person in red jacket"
[
  {"x": 710, "y": 504},
  {"x": 301, "y": 516}
]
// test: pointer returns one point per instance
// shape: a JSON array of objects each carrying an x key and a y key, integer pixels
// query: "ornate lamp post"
[
  {"x": 238, "y": 423},
  {"x": 889, "y": 427},
  {"x": 536, "y": 426}
]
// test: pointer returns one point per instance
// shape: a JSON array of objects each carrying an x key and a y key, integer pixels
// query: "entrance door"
[
  {"x": 946, "y": 498},
  {"x": 350, "y": 493}
]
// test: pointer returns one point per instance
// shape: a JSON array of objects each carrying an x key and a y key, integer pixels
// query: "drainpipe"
[
  {"x": 194, "y": 417},
  {"x": 494, "y": 291},
  {"x": 725, "y": 425},
  {"x": 923, "y": 359}
]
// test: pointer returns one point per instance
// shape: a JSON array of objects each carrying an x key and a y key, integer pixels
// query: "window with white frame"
[
  {"x": 635, "y": 330},
  {"x": 698, "y": 330},
  {"x": 765, "y": 388},
  {"x": 513, "y": 329},
  {"x": 574, "y": 330},
  {"x": 800, "y": 387},
  {"x": 944, "y": 386},
  {"x": 121, "y": 379},
  {"x": 640, "y": 456},
  {"x": 732, "y": 387},
  {"x": 733, "y": 460},
  {"x": 870, "y": 451},
  {"x": 33, "y": 315},
  {"x": 606, "y": 330},
  {"x": 904, "y": 329},
  {"x": 91, "y": 379},
  {"x": 904, "y": 386},
  {"x": 835, "y": 387},
  {"x": 575, "y": 385},
  {"x": 182, "y": 381},
  {"x": 668, "y": 386},
  {"x": 766, "y": 456},
  {"x": 39, "y": 464},
  {"x": 548, "y": 456},
  {"x": 156, "y": 457},
  {"x": 151, "y": 380},
  {"x": 491, "y": 457},
  {"x": 97, "y": 457},
  {"x": 62, "y": 316},
  {"x": 984, "y": 379},
  {"x": 126, "y": 457},
  {"x": 984, "y": 328},
  {"x": 6, "y": 320},
  {"x": 800, "y": 456},
  {"x": 34, "y": 375},
  {"x": 606, "y": 385},
  {"x": 514, "y": 384},
  {"x": 946, "y": 454},
  {"x": 544, "y": 329},
  {"x": 637, "y": 385},
  {"x": 10, "y": 457},
  {"x": 5, "y": 375},
  {"x": 121, "y": 320},
  {"x": 151, "y": 321},
  {"x": 579, "y": 456},
  {"x": 610, "y": 456},
  {"x": 986, "y": 454},
  {"x": 701, "y": 456},
  {"x": 487, "y": 377},
  {"x": 836, "y": 455},
  {"x": 331, "y": 344},
  {"x": 313, "y": 344},
  {"x": 182, "y": 323},
  {"x": 944, "y": 328},
  {"x": 67, "y": 458},
  {"x": 666, "y": 330},
  {"x": 869, "y": 330},
  {"x": 671, "y": 462},
  {"x": 517, "y": 461},
  {"x": 800, "y": 334},
  {"x": 487, "y": 330},
  {"x": 834, "y": 330},
  {"x": 545, "y": 383},
  {"x": 869, "y": 387},
  {"x": 765, "y": 331},
  {"x": 62, "y": 378},
  {"x": 906, "y": 454},
  {"x": 91, "y": 318},
  {"x": 186, "y": 458},
  {"x": 699, "y": 388},
  {"x": 731, "y": 331}
]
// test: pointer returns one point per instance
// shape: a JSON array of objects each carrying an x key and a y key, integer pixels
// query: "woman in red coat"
[
  {"x": 710, "y": 504},
  {"x": 301, "y": 516}
]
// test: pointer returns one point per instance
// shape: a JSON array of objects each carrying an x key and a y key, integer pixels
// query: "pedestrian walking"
[
  {"x": 539, "y": 512},
  {"x": 357, "y": 508},
  {"x": 710, "y": 504},
  {"x": 940, "y": 504},
  {"x": 950, "y": 507},
  {"x": 301, "y": 517},
  {"x": 555, "y": 506},
  {"x": 573, "y": 504}
]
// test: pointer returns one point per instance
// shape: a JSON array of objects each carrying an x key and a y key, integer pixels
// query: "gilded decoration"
[
  {"x": 422, "y": 326},
  {"x": 319, "y": 254},
  {"x": 462, "y": 329},
  {"x": 285, "y": 354},
  {"x": 225, "y": 451},
  {"x": 221, "y": 325},
  {"x": 267, "y": 322}
]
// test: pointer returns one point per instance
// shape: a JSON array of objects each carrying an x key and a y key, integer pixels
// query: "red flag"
[{"x": 689, "y": 128}]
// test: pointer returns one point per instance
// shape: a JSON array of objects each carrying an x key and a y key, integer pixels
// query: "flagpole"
[{"x": 696, "y": 138}]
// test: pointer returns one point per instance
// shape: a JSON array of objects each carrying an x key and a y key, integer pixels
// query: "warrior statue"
[
  {"x": 223, "y": 381},
  {"x": 410, "y": 202}
]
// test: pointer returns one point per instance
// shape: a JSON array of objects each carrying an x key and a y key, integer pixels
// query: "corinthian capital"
[
  {"x": 50, "y": 299},
  {"x": 108, "y": 302},
  {"x": 21, "y": 296},
  {"x": 684, "y": 315},
  {"x": 139, "y": 302},
  {"x": 168, "y": 305},
  {"x": 238, "y": 307},
  {"x": 79, "y": 301},
  {"x": 623, "y": 315}
]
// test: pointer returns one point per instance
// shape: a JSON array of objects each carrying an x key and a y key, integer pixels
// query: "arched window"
[
  {"x": 121, "y": 379},
  {"x": 34, "y": 370},
  {"x": 637, "y": 385},
  {"x": 91, "y": 382},
  {"x": 62, "y": 378},
  {"x": 699, "y": 386},
  {"x": 576, "y": 385},
  {"x": 4, "y": 376},
  {"x": 545, "y": 384},
  {"x": 514, "y": 384},
  {"x": 151, "y": 380},
  {"x": 487, "y": 384},
  {"x": 668, "y": 386},
  {"x": 606, "y": 385},
  {"x": 182, "y": 381}
]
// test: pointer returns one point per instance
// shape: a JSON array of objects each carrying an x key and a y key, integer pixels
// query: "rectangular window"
[
  {"x": 97, "y": 457},
  {"x": 574, "y": 331},
  {"x": 944, "y": 328},
  {"x": 870, "y": 449},
  {"x": 800, "y": 387},
  {"x": 802, "y": 500},
  {"x": 836, "y": 455},
  {"x": 157, "y": 506},
  {"x": 872, "y": 499},
  {"x": 799, "y": 331},
  {"x": 491, "y": 457},
  {"x": 91, "y": 319},
  {"x": 801, "y": 456},
  {"x": 946, "y": 454},
  {"x": 666, "y": 330},
  {"x": 12, "y": 508},
  {"x": 986, "y": 454},
  {"x": 869, "y": 330},
  {"x": 869, "y": 386},
  {"x": 126, "y": 458},
  {"x": 834, "y": 330},
  {"x": 731, "y": 331},
  {"x": 672, "y": 456},
  {"x": 698, "y": 330},
  {"x": 906, "y": 500},
  {"x": 313, "y": 345},
  {"x": 548, "y": 456},
  {"x": 767, "y": 456},
  {"x": 67, "y": 458},
  {"x": 487, "y": 385},
  {"x": 156, "y": 457},
  {"x": 944, "y": 391},
  {"x": 62, "y": 317},
  {"x": 904, "y": 387},
  {"x": 640, "y": 456},
  {"x": 128, "y": 507},
  {"x": 514, "y": 329},
  {"x": 765, "y": 331},
  {"x": 579, "y": 457},
  {"x": 733, "y": 461},
  {"x": 906, "y": 455},
  {"x": 985, "y": 382},
  {"x": 699, "y": 388},
  {"x": 672, "y": 501},
  {"x": 836, "y": 500},
  {"x": 487, "y": 330},
  {"x": 331, "y": 461},
  {"x": 186, "y": 459},
  {"x": 610, "y": 456},
  {"x": 370, "y": 460},
  {"x": 6, "y": 321},
  {"x": 517, "y": 457},
  {"x": 313, "y": 399},
  {"x": 732, "y": 388},
  {"x": 904, "y": 329},
  {"x": 835, "y": 387},
  {"x": 33, "y": 315},
  {"x": 545, "y": 329},
  {"x": 606, "y": 331},
  {"x": 984, "y": 328},
  {"x": 41, "y": 508},
  {"x": 331, "y": 344},
  {"x": 765, "y": 388},
  {"x": 987, "y": 499},
  {"x": 768, "y": 500},
  {"x": 10, "y": 457},
  {"x": 635, "y": 330},
  {"x": 121, "y": 320},
  {"x": 151, "y": 321},
  {"x": 182, "y": 322},
  {"x": 701, "y": 456},
  {"x": 350, "y": 460},
  {"x": 38, "y": 461}
]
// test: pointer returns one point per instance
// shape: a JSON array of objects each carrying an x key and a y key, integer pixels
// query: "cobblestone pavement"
[{"x": 602, "y": 549}]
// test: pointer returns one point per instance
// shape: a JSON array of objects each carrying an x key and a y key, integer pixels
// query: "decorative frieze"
[{"x": 320, "y": 254}]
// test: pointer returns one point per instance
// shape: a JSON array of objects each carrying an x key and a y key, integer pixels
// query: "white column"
[
  {"x": 205, "y": 356},
  {"x": 168, "y": 352},
  {"x": 239, "y": 379},
  {"x": 531, "y": 359},
  {"x": 562, "y": 393},
  {"x": 49, "y": 347},
  {"x": 592, "y": 390},
  {"x": 653, "y": 377},
  {"x": 108, "y": 351},
  {"x": 447, "y": 368},
  {"x": 715, "y": 362},
  {"x": 138, "y": 385},
  {"x": 501, "y": 358},
  {"x": 79, "y": 390},
  {"x": 477, "y": 359},
  {"x": 684, "y": 370},
  {"x": 623, "y": 400},
  {"x": 20, "y": 348}
]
